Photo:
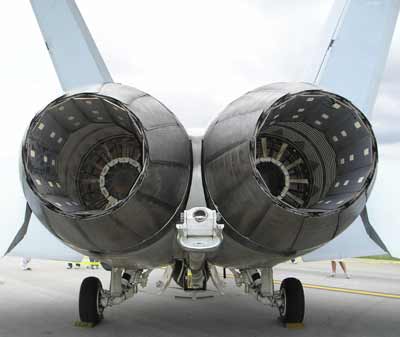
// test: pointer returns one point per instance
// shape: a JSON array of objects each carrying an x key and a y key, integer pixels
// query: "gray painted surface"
[
  {"x": 75, "y": 57},
  {"x": 40, "y": 243},
  {"x": 358, "y": 50}
]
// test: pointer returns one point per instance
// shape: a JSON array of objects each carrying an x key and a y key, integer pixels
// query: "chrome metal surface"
[
  {"x": 107, "y": 170},
  {"x": 199, "y": 231},
  {"x": 289, "y": 167},
  {"x": 196, "y": 195}
]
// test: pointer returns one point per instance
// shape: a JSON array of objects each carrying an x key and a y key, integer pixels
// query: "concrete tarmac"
[{"x": 44, "y": 302}]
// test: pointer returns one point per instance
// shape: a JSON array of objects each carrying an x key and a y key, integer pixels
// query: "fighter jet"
[{"x": 283, "y": 170}]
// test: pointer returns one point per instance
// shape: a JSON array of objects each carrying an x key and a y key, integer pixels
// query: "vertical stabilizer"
[
  {"x": 357, "y": 51},
  {"x": 77, "y": 60}
]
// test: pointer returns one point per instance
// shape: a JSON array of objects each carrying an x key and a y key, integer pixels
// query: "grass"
[{"x": 380, "y": 257}]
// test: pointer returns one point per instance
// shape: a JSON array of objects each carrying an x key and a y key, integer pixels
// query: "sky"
[
  {"x": 194, "y": 56},
  {"x": 198, "y": 56}
]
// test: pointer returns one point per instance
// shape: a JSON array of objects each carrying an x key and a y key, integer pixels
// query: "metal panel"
[
  {"x": 72, "y": 49},
  {"x": 155, "y": 200},
  {"x": 254, "y": 216},
  {"x": 196, "y": 195}
]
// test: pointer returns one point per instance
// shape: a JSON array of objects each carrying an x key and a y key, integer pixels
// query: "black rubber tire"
[
  {"x": 90, "y": 310},
  {"x": 293, "y": 298}
]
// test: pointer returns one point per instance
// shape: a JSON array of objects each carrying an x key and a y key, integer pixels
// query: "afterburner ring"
[{"x": 284, "y": 171}]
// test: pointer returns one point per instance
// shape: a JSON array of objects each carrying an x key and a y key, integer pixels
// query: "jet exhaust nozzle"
[
  {"x": 289, "y": 166},
  {"x": 112, "y": 166}
]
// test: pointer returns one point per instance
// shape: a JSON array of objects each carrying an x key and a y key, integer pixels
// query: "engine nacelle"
[
  {"x": 106, "y": 170},
  {"x": 289, "y": 167}
]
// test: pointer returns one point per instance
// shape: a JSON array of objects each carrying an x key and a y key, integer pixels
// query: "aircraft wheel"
[
  {"x": 90, "y": 308},
  {"x": 291, "y": 309}
]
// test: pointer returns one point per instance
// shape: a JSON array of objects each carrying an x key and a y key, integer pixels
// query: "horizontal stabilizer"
[
  {"x": 32, "y": 238},
  {"x": 371, "y": 231},
  {"x": 39, "y": 243},
  {"x": 353, "y": 242},
  {"x": 376, "y": 232},
  {"x": 383, "y": 204},
  {"x": 21, "y": 233}
]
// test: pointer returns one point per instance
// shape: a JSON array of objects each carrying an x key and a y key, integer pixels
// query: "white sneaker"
[
  {"x": 347, "y": 276},
  {"x": 332, "y": 275}
]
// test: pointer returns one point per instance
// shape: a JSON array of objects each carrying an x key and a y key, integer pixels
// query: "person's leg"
[
  {"x": 333, "y": 265},
  {"x": 25, "y": 262},
  {"x": 343, "y": 265}
]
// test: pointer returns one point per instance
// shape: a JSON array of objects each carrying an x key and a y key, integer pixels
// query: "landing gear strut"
[
  {"x": 289, "y": 300},
  {"x": 93, "y": 299}
]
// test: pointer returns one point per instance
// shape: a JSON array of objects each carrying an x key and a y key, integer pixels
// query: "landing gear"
[
  {"x": 291, "y": 308},
  {"x": 90, "y": 306},
  {"x": 93, "y": 299},
  {"x": 178, "y": 273},
  {"x": 190, "y": 279},
  {"x": 289, "y": 299}
]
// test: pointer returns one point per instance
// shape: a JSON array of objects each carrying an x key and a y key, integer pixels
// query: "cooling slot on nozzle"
[{"x": 314, "y": 151}]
